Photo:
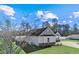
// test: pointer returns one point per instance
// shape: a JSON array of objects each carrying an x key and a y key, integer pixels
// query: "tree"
[
  {"x": 25, "y": 26},
  {"x": 46, "y": 24},
  {"x": 66, "y": 29},
  {"x": 7, "y": 25},
  {"x": 54, "y": 20},
  {"x": 36, "y": 23},
  {"x": 55, "y": 27},
  {"x": 1, "y": 26},
  {"x": 75, "y": 29},
  {"x": 55, "y": 24},
  {"x": 7, "y": 44},
  {"x": 28, "y": 27},
  {"x": 7, "y": 47}
]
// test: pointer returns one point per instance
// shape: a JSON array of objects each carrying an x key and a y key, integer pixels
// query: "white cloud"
[
  {"x": 75, "y": 14},
  {"x": 64, "y": 21},
  {"x": 7, "y": 10},
  {"x": 23, "y": 18},
  {"x": 70, "y": 21},
  {"x": 44, "y": 20},
  {"x": 50, "y": 15},
  {"x": 45, "y": 15},
  {"x": 39, "y": 14},
  {"x": 12, "y": 17},
  {"x": 70, "y": 16}
]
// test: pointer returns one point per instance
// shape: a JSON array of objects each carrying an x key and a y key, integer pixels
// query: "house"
[
  {"x": 73, "y": 36},
  {"x": 40, "y": 37}
]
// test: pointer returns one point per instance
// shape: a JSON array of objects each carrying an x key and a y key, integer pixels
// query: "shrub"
[
  {"x": 7, "y": 47},
  {"x": 59, "y": 44},
  {"x": 57, "y": 40}
]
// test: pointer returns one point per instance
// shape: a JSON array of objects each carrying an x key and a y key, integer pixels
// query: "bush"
[
  {"x": 57, "y": 40},
  {"x": 7, "y": 47},
  {"x": 59, "y": 44}
]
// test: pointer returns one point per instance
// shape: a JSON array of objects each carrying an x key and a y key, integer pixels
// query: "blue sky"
[{"x": 65, "y": 13}]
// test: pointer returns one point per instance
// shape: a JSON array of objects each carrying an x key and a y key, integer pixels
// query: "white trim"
[{"x": 49, "y": 29}]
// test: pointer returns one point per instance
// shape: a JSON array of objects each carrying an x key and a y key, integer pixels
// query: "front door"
[{"x": 48, "y": 40}]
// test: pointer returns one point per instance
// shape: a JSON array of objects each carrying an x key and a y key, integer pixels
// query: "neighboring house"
[
  {"x": 73, "y": 36},
  {"x": 40, "y": 37}
]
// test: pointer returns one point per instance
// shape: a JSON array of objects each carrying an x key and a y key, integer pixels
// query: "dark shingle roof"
[{"x": 35, "y": 32}]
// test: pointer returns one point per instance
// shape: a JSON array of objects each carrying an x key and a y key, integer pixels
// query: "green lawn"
[{"x": 58, "y": 50}]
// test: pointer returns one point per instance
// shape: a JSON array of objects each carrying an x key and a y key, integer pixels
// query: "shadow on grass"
[
  {"x": 31, "y": 48},
  {"x": 28, "y": 48}
]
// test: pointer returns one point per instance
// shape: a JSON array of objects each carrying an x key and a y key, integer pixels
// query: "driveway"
[{"x": 71, "y": 44}]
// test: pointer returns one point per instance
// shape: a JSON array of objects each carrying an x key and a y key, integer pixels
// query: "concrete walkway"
[{"x": 71, "y": 44}]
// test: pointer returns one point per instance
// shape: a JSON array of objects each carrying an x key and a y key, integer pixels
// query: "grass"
[
  {"x": 30, "y": 48},
  {"x": 52, "y": 50},
  {"x": 60, "y": 49},
  {"x": 57, "y": 50}
]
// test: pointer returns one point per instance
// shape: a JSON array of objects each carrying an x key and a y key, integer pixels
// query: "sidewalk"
[{"x": 71, "y": 44}]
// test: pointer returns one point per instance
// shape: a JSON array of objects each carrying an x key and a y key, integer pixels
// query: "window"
[{"x": 47, "y": 39}]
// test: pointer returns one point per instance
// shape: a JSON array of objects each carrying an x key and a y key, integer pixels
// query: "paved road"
[{"x": 72, "y": 44}]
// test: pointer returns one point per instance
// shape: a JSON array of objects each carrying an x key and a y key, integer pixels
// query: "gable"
[
  {"x": 58, "y": 34},
  {"x": 47, "y": 32}
]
